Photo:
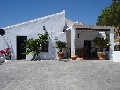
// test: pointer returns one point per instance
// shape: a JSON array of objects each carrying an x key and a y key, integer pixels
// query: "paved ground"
[{"x": 60, "y": 75}]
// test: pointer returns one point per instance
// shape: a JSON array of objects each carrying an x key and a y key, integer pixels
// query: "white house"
[{"x": 75, "y": 34}]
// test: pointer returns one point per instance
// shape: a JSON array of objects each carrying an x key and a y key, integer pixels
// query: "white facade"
[
  {"x": 89, "y": 33},
  {"x": 55, "y": 25}
]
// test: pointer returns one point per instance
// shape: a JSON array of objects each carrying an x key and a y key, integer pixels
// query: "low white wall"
[{"x": 116, "y": 56}]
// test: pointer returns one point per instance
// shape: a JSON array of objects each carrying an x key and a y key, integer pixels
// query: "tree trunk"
[{"x": 101, "y": 49}]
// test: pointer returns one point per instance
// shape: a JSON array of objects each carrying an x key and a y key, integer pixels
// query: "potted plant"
[
  {"x": 60, "y": 45},
  {"x": 73, "y": 57},
  {"x": 101, "y": 43}
]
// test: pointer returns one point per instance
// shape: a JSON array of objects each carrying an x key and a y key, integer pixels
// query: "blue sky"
[{"x": 17, "y": 11}]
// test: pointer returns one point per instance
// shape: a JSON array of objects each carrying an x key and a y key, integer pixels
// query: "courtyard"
[{"x": 60, "y": 75}]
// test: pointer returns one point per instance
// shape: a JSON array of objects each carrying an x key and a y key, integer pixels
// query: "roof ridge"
[
  {"x": 75, "y": 22},
  {"x": 34, "y": 20}
]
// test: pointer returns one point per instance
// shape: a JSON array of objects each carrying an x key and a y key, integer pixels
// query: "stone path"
[{"x": 60, "y": 75}]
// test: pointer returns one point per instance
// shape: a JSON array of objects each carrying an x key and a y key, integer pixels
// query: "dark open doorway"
[
  {"x": 88, "y": 43},
  {"x": 21, "y": 47}
]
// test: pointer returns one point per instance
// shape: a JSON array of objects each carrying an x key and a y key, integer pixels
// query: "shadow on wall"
[
  {"x": 52, "y": 50},
  {"x": 8, "y": 46}
]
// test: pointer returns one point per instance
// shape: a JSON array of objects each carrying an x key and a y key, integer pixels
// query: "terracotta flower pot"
[
  {"x": 101, "y": 55},
  {"x": 60, "y": 55},
  {"x": 73, "y": 57}
]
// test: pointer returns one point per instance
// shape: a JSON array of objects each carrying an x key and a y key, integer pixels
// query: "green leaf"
[{"x": 33, "y": 45}]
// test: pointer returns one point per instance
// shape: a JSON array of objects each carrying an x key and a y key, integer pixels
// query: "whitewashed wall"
[
  {"x": 83, "y": 35},
  {"x": 68, "y": 35},
  {"x": 54, "y": 24},
  {"x": 116, "y": 56}
]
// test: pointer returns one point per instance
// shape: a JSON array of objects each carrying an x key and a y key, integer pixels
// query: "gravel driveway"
[{"x": 60, "y": 75}]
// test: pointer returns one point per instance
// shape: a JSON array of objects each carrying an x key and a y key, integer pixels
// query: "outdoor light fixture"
[
  {"x": 2, "y": 32},
  {"x": 44, "y": 28},
  {"x": 64, "y": 30}
]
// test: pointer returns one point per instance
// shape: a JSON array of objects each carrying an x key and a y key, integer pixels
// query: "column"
[
  {"x": 73, "y": 34},
  {"x": 111, "y": 43}
]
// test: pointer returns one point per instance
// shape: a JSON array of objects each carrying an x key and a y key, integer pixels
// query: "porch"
[{"x": 80, "y": 41}]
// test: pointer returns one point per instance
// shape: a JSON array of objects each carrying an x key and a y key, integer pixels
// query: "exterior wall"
[
  {"x": 68, "y": 36},
  {"x": 79, "y": 42},
  {"x": 1, "y": 42},
  {"x": 116, "y": 56},
  {"x": 54, "y": 24},
  {"x": 84, "y": 35}
]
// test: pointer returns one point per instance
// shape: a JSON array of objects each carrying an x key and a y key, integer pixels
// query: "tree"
[
  {"x": 110, "y": 16},
  {"x": 101, "y": 43},
  {"x": 34, "y": 45}
]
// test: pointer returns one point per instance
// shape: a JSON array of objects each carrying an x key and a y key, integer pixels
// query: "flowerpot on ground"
[
  {"x": 60, "y": 45},
  {"x": 60, "y": 55},
  {"x": 101, "y": 43},
  {"x": 101, "y": 55},
  {"x": 73, "y": 57}
]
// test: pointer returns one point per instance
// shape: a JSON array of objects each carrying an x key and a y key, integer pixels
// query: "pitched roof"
[
  {"x": 71, "y": 23},
  {"x": 34, "y": 20}
]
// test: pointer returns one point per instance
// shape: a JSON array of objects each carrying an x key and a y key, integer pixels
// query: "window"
[{"x": 44, "y": 47}]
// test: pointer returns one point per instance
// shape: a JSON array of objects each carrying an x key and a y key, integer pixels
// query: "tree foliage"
[
  {"x": 101, "y": 43},
  {"x": 60, "y": 45},
  {"x": 34, "y": 45},
  {"x": 110, "y": 16}
]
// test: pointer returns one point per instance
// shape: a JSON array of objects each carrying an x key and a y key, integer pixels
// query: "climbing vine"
[{"x": 34, "y": 45}]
